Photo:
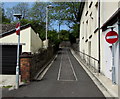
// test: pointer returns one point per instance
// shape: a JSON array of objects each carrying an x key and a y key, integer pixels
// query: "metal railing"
[{"x": 89, "y": 61}]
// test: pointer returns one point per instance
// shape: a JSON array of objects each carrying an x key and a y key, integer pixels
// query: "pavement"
[
  {"x": 111, "y": 89},
  {"x": 65, "y": 77}
]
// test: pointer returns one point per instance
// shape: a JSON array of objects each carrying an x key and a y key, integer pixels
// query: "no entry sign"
[
  {"x": 18, "y": 28},
  {"x": 111, "y": 37}
]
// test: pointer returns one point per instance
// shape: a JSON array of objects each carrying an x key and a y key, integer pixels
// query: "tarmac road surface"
[{"x": 65, "y": 78}]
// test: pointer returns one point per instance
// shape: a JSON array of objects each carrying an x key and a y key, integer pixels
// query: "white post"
[
  {"x": 17, "y": 67},
  {"x": 113, "y": 66}
]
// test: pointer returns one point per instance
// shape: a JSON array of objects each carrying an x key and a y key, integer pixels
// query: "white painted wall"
[
  {"x": 107, "y": 56},
  {"x": 107, "y": 10},
  {"x": 87, "y": 29},
  {"x": 28, "y": 37},
  {"x": 36, "y": 42},
  {"x": 32, "y": 44}
]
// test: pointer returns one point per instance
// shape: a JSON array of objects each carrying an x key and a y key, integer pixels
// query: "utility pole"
[{"x": 49, "y": 6}]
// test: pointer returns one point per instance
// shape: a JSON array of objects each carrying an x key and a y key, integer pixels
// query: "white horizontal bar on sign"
[
  {"x": 18, "y": 28},
  {"x": 111, "y": 37}
]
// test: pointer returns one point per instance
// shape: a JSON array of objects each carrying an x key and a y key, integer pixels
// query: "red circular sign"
[{"x": 111, "y": 37}]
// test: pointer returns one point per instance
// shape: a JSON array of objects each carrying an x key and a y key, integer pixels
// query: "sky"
[
  {"x": 41, "y": 0},
  {"x": 11, "y": 4}
]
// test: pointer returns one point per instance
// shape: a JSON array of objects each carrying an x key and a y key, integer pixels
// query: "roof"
[
  {"x": 8, "y": 29},
  {"x": 111, "y": 20}
]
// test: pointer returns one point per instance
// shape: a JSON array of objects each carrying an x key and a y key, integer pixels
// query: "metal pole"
[
  {"x": 99, "y": 36},
  {"x": 113, "y": 66},
  {"x": 17, "y": 67},
  {"x": 46, "y": 21}
]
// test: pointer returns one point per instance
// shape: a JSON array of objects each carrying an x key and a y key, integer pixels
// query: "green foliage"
[
  {"x": 72, "y": 38},
  {"x": 64, "y": 35},
  {"x": 9, "y": 86},
  {"x": 3, "y": 18},
  {"x": 75, "y": 30},
  {"x": 53, "y": 37},
  {"x": 66, "y": 12}
]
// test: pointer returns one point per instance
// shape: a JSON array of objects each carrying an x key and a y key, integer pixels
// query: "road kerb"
[
  {"x": 44, "y": 71},
  {"x": 93, "y": 77}
]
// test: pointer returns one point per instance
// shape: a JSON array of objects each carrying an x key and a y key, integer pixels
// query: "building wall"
[
  {"x": 36, "y": 42},
  {"x": 24, "y": 38},
  {"x": 107, "y": 55},
  {"x": 88, "y": 25},
  {"x": 28, "y": 37},
  {"x": 106, "y": 51},
  {"x": 32, "y": 44}
]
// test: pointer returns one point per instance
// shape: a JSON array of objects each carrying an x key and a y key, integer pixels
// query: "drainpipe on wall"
[
  {"x": 119, "y": 42},
  {"x": 99, "y": 36},
  {"x": 119, "y": 32},
  {"x": 119, "y": 51}
]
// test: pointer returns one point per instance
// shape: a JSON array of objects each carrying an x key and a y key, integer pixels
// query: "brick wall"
[{"x": 25, "y": 66}]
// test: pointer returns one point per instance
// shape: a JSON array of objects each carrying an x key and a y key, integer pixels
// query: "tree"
[
  {"x": 3, "y": 18},
  {"x": 22, "y": 8},
  {"x": 75, "y": 30},
  {"x": 38, "y": 11},
  {"x": 66, "y": 12},
  {"x": 64, "y": 35}
]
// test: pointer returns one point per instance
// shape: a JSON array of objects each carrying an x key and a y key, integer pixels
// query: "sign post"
[
  {"x": 18, "y": 48},
  {"x": 19, "y": 16},
  {"x": 111, "y": 37}
]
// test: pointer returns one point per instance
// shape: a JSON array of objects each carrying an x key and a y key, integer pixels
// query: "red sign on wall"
[{"x": 111, "y": 37}]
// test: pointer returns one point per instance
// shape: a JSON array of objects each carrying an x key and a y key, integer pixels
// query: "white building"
[
  {"x": 29, "y": 42},
  {"x": 89, "y": 35}
]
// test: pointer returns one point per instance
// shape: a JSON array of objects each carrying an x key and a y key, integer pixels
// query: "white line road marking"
[
  {"x": 45, "y": 71},
  {"x": 60, "y": 68},
  {"x": 111, "y": 37},
  {"x": 67, "y": 80},
  {"x": 72, "y": 67}
]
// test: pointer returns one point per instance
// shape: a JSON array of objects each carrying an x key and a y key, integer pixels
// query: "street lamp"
[
  {"x": 19, "y": 16},
  {"x": 49, "y": 6}
]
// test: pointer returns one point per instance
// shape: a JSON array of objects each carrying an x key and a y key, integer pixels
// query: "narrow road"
[{"x": 65, "y": 78}]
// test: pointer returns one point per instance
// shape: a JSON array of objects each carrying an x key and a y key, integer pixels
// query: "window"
[
  {"x": 91, "y": 23},
  {"x": 86, "y": 29},
  {"x": 83, "y": 30},
  {"x": 90, "y": 4}
]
